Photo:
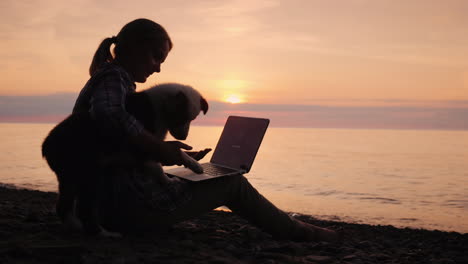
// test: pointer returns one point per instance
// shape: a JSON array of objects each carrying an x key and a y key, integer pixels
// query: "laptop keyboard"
[{"x": 213, "y": 170}]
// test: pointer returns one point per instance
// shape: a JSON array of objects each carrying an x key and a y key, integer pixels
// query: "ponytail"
[
  {"x": 102, "y": 55},
  {"x": 131, "y": 37}
]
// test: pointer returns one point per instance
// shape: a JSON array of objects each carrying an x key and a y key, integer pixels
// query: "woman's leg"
[{"x": 243, "y": 199}]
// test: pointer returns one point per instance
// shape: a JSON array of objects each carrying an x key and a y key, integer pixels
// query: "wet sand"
[{"x": 31, "y": 233}]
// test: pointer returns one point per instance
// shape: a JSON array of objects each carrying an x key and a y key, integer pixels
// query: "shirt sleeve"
[{"x": 108, "y": 104}]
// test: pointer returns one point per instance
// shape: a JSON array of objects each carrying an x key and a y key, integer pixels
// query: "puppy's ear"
[
  {"x": 180, "y": 101},
  {"x": 203, "y": 105}
]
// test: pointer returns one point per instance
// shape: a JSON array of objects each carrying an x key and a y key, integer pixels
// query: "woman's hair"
[{"x": 136, "y": 34}]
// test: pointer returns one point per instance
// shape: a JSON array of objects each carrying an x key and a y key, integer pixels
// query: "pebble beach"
[{"x": 30, "y": 232}]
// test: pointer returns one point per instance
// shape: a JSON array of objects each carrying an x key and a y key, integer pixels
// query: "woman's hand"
[
  {"x": 154, "y": 168},
  {"x": 167, "y": 152},
  {"x": 165, "y": 180},
  {"x": 198, "y": 155},
  {"x": 171, "y": 153}
]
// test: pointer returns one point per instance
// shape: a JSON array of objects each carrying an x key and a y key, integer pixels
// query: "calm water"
[{"x": 398, "y": 177}]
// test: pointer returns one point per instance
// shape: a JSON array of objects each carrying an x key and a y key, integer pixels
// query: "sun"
[
  {"x": 232, "y": 90},
  {"x": 233, "y": 99}
]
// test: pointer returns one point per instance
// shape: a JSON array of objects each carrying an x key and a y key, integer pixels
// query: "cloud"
[
  {"x": 30, "y": 106},
  {"x": 452, "y": 115}
]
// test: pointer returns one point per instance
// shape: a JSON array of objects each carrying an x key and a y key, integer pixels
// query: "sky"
[{"x": 306, "y": 63}]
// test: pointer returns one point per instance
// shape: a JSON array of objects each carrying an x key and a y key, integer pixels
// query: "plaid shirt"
[{"x": 104, "y": 97}]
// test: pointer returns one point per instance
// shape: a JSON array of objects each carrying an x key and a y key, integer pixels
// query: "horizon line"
[
  {"x": 328, "y": 102},
  {"x": 276, "y": 126}
]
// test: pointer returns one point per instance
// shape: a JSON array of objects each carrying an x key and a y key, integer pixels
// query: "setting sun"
[
  {"x": 232, "y": 90},
  {"x": 233, "y": 99}
]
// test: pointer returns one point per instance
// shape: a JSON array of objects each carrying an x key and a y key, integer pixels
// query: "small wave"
[
  {"x": 425, "y": 203},
  {"x": 326, "y": 193},
  {"x": 369, "y": 196},
  {"x": 382, "y": 200},
  {"x": 8, "y": 186},
  {"x": 358, "y": 194},
  {"x": 30, "y": 187},
  {"x": 408, "y": 219},
  {"x": 320, "y": 192},
  {"x": 291, "y": 186},
  {"x": 456, "y": 203}
]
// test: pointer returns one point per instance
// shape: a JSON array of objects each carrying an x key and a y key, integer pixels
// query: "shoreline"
[
  {"x": 31, "y": 233},
  {"x": 325, "y": 217}
]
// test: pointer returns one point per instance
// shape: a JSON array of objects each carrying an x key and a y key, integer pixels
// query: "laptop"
[{"x": 235, "y": 151}]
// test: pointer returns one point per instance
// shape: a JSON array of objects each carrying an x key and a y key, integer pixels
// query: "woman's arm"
[
  {"x": 108, "y": 108},
  {"x": 108, "y": 105}
]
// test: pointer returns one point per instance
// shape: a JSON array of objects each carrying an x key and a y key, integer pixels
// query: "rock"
[
  {"x": 365, "y": 244},
  {"x": 268, "y": 261},
  {"x": 288, "y": 248},
  {"x": 379, "y": 256},
  {"x": 220, "y": 244},
  {"x": 232, "y": 248},
  {"x": 31, "y": 217},
  {"x": 31, "y": 235},
  {"x": 443, "y": 261},
  {"x": 319, "y": 259},
  {"x": 349, "y": 257},
  {"x": 221, "y": 232},
  {"x": 187, "y": 243},
  {"x": 280, "y": 258},
  {"x": 347, "y": 250}
]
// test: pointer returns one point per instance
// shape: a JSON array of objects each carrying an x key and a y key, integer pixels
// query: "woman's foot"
[{"x": 309, "y": 232}]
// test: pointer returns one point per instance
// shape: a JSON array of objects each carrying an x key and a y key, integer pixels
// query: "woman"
[{"x": 140, "y": 48}]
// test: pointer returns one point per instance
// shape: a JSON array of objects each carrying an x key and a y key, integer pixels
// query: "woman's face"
[{"x": 147, "y": 61}]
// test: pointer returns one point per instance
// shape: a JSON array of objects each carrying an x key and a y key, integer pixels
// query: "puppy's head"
[{"x": 179, "y": 105}]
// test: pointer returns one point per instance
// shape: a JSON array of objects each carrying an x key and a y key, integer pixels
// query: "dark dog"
[{"x": 78, "y": 154}]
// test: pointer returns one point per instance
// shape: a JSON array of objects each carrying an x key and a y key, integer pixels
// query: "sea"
[{"x": 404, "y": 178}]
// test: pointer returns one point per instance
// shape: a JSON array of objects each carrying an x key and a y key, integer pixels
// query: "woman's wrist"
[{"x": 148, "y": 144}]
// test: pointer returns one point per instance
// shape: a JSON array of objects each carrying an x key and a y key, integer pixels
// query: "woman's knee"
[
  {"x": 239, "y": 179},
  {"x": 241, "y": 189},
  {"x": 237, "y": 185},
  {"x": 223, "y": 183}
]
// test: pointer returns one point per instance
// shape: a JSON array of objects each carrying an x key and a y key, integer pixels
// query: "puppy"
[{"x": 78, "y": 155}]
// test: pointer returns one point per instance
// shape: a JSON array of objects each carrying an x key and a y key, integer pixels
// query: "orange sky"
[
  {"x": 353, "y": 53},
  {"x": 266, "y": 51}
]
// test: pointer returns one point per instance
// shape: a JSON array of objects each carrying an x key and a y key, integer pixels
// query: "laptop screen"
[{"x": 239, "y": 142}]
